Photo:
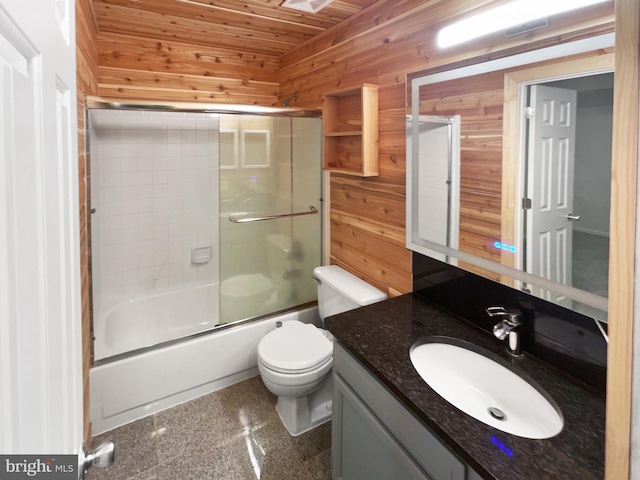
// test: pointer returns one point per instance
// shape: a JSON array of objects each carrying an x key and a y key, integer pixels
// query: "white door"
[
  {"x": 550, "y": 157},
  {"x": 40, "y": 316}
]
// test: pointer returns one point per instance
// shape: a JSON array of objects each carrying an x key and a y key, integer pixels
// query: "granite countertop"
[{"x": 380, "y": 337}]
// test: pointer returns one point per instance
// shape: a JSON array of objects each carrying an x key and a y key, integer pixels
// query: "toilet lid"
[{"x": 295, "y": 347}]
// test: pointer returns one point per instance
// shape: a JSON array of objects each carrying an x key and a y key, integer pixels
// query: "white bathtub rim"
[
  {"x": 310, "y": 306},
  {"x": 105, "y": 309},
  {"x": 107, "y": 306}
]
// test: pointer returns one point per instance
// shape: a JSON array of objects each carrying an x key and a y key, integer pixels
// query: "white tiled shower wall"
[{"x": 155, "y": 193}]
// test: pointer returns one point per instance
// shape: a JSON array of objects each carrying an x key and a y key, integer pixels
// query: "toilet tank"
[{"x": 340, "y": 291}]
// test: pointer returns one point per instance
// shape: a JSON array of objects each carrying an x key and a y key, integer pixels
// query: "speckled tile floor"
[{"x": 234, "y": 433}]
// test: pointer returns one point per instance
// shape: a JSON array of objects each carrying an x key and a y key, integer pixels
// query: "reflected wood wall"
[{"x": 479, "y": 102}]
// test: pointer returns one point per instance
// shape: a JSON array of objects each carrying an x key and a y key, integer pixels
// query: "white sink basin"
[{"x": 486, "y": 390}]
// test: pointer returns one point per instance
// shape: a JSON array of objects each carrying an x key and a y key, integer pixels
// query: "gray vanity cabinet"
[
  {"x": 366, "y": 448},
  {"x": 375, "y": 438}
]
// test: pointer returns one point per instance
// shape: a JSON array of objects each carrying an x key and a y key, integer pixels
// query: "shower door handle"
[{"x": 312, "y": 210}]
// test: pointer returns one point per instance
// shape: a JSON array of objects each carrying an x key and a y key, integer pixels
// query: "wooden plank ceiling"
[{"x": 253, "y": 26}]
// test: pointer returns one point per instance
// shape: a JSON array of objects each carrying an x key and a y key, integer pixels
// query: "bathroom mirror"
[{"x": 509, "y": 170}]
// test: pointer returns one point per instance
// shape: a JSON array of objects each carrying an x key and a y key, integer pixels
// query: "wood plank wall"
[
  {"x": 87, "y": 67},
  {"x": 381, "y": 45},
  {"x": 139, "y": 68},
  {"x": 621, "y": 457}
]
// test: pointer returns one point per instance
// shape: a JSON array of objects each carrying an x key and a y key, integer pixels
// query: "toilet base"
[{"x": 301, "y": 414}]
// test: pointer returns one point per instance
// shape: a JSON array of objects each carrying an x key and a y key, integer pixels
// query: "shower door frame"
[
  {"x": 94, "y": 102},
  {"x": 106, "y": 103}
]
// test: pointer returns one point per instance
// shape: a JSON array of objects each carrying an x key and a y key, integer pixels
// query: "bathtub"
[
  {"x": 130, "y": 388},
  {"x": 153, "y": 319}
]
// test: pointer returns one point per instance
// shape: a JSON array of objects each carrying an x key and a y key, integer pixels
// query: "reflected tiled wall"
[{"x": 155, "y": 192}]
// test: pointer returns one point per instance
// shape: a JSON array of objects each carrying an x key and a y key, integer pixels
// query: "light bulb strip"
[{"x": 506, "y": 16}]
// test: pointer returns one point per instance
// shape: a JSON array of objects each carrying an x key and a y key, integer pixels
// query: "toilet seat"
[{"x": 295, "y": 347}]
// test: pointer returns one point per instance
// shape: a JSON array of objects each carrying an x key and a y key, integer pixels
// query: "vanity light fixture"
[{"x": 513, "y": 14}]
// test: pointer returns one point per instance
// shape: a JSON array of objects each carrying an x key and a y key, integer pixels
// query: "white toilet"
[{"x": 295, "y": 360}]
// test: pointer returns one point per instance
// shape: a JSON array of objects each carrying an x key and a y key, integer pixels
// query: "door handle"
[
  {"x": 101, "y": 456},
  {"x": 571, "y": 216}
]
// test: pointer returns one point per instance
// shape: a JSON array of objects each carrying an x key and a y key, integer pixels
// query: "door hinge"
[
  {"x": 529, "y": 112},
  {"x": 526, "y": 203}
]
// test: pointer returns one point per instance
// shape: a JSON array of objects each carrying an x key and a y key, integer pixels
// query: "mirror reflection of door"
[
  {"x": 568, "y": 176},
  {"x": 549, "y": 192},
  {"x": 439, "y": 180}
]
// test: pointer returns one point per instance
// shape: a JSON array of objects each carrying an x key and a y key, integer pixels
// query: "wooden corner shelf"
[{"x": 350, "y": 130}]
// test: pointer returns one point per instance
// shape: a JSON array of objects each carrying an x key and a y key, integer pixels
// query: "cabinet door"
[{"x": 362, "y": 448}]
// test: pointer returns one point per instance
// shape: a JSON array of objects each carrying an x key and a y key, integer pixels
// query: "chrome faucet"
[{"x": 509, "y": 327}]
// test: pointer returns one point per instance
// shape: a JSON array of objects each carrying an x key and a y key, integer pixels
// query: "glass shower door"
[{"x": 270, "y": 225}]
